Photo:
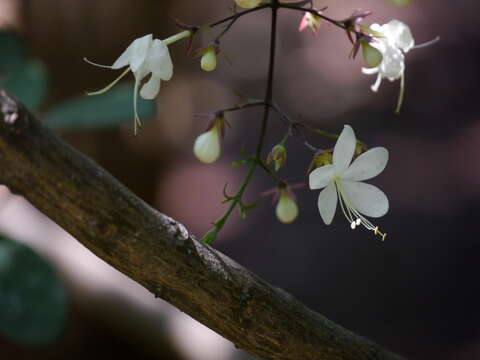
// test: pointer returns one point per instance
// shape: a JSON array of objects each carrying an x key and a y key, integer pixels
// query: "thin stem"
[
  {"x": 314, "y": 12},
  {"x": 238, "y": 15},
  {"x": 237, "y": 198},
  {"x": 177, "y": 37}
]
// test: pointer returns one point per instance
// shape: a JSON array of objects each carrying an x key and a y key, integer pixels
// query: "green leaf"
[
  {"x": 28, "y": 83},
  {"x": 32, "y": 299},
  {"x": 113, "y": 108}
]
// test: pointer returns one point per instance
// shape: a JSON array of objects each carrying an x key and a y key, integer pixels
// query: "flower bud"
[
  {"x": 321, "y": 158},
  {"x": 311, "y": 21},
  {"x": 208, "y": 61},
  {"x": 248, "y": 4},
  {"x": 278, "y": 155},
  {"x": 399, "y": 3},
  {"x": 207, "y": 145},
  {"x": 287, "y": 209},
  {"x": 371, "y": 55}
]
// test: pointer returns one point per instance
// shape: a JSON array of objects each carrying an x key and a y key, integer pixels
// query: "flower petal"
[
  {"x": 320, "y": 177},
  {"x": 327, "y": 203},
  {"x": 344, "y": 148},
  {"x": 367, "y": 199},
  {"x": 151, "y": 88},
  {"x": 159, "y": 61},
  {"x": 399, "y": 33},
  {"x": 139, "y": 51},
  {"x": 367, "y": 165},
  {"x": 393, "y": 65}
]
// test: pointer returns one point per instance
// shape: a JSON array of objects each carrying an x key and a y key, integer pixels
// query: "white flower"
[
  {"x": 344, "y": 180},
  {"x": 207, "y": 146},
  {"x": 287, "y": 209},
  {"x": 144, "y": 56},
  {"x": 395, "y": 40},
  {"x": 248, "y": 4}
]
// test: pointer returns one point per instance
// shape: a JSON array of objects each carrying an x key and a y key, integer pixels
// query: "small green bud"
[
  {"x": 399, "y": 3},
  {"x": 278, "y": 155},
  {"x": 287, "y": 209},
  {"x": 208, "y": 61},
  {"x": 248, "y": 4}
]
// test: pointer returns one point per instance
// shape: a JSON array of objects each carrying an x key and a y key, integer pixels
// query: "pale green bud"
[
  {"x": 248, "y": 4},
  {"x": 207, "y": 146},
  {"x": 208, "y": 61},
  {"x": 287, "y": 209},
  {"x": 399, "y": 3},
  {"x": 278, "y": 155}
]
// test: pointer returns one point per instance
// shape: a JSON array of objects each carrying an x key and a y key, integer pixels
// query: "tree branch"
[{"x": 159, "y": 253}]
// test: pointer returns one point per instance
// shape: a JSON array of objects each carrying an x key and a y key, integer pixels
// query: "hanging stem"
[{"x": 236, "y": 200}]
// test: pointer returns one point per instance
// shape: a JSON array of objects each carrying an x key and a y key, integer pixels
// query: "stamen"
[
  {"x": 378, "y": 232},
  {"x": 358, "y": 222},
  {"x": 401, "y": 94},
  {"x": 109, "y": 86},
  {"x": 95, "y": 64},
  {"x": 428, "y": 43},
  {"x": 137, "y": 123},
  {"x": 353, "y": 225}
]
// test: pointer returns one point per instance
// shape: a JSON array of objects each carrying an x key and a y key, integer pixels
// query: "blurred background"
[{"x": 417, "y": 293}]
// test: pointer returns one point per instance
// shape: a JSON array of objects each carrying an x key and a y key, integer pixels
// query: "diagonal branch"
[{"x": 159, "y": 253}]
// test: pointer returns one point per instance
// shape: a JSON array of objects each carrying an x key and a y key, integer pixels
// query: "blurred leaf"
[
  {"x": 12, "y": 50},
  {"x": 32, "y": 298},
  {"x": 28, "y": 83},
  {"x": 113, "y": 108}
]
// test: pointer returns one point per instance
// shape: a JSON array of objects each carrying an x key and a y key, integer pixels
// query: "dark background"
[{"x": 417, "y": 293}]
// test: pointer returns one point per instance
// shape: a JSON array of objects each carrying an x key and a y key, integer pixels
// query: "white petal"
[
  {"x": 320, "y": 177},
  {"x": 124, "y": 59},
  {"x": 344, "y": 148},
  {"x": 377, "y": 83},
  {"x": 139, "y": 51},
  {"x": 393, "y": 64},
  {"x": 369, "y": 71},
  {"x": 367, "y": 165},
  {"x": 327, "y": 203},
  {"x": 159, "y": 61},
  {"x": 399, "y": 33},
  {"x": 367, "y": 199},
  {"x": 151, "y": 88}
]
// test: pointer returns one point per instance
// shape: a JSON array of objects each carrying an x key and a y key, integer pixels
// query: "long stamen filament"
[
  {"x": 401, "y": 94},
  {"x": 351, "y": 214},
  {"x": 427, "y": 43},
  {"x": 109, "y": 86}
]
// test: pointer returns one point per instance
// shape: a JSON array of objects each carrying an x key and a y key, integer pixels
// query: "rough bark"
[{"x": 159, "y": 253}]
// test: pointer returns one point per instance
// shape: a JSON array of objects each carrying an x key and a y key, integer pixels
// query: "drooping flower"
[
  {"x": 248, "y": 4},
  {"x": 394, "y": 41},
  {"x": 343, "y": 180},
  {"x": 287, "y": 208},
  {"x": 144, "y": 56}
]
